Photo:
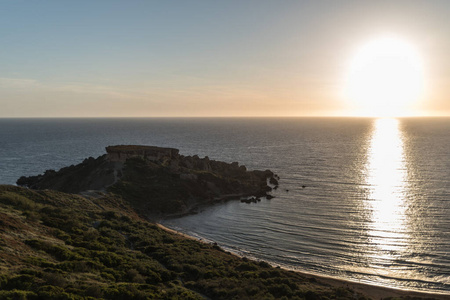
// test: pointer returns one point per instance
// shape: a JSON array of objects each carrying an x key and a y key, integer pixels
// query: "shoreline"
[{"x": 368, "y": 290}]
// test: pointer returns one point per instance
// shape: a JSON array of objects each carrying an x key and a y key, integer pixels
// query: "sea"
[{"x": 361, "y": 199}]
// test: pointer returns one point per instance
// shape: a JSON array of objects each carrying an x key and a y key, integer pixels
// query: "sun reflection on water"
[{"x": 386, "y": 177}]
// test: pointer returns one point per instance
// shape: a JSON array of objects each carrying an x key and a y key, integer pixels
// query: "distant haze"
[{"x": 205, "y": 58}]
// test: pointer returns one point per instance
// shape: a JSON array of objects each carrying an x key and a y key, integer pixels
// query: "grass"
[{"x": 61, "y": 246}]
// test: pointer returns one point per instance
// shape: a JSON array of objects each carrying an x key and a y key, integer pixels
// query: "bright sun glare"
[{"x": 385, "y": 78}]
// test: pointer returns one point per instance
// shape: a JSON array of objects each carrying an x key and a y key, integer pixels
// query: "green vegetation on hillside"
[
  {"x": 152, "y": 188},
  {"x": 61, "y": 246}
]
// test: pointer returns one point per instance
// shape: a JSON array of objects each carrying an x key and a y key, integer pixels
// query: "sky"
[{"x": 205, "y": 58}]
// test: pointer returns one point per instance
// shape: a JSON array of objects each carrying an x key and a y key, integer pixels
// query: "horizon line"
[{"x": 228, "y": 117}]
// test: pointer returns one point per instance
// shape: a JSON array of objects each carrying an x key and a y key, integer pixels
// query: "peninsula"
[{"x": 157, "y": 181}]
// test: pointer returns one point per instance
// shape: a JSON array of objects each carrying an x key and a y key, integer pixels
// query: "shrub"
[
  {"x": 55, "y": 279},
  {"x": 280, "y": 290},
  {"x": 263, "y": 264},
  {"x": 17, "y": 295},
  {"x": 32, "y": 216},
  {"x": 192, "y": 272},
  {"x": 110, "y": 215},
  {"x": 109, "y": 259},
  {"x": 132, "y": 275},
  {"x": 75, "y": 266},
  {"x": 94, "y": 291},
  {"x": 311, "y": 295},
  {"x": 3, "y": 281},
  {"x": 247, "y": 266},
  {"x": 21, "y": 282},
  {"x": 18, "y": 201},
  {"x": 91, "y": 234}
]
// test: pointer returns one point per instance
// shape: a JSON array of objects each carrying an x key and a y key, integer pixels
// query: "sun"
[{"x": 385, "y": 78}]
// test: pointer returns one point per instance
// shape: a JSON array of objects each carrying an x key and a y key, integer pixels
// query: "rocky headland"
[{"x": 158, "y": 181}]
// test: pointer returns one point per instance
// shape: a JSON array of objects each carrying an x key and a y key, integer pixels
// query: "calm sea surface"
[{"x": 376, "y": 202}]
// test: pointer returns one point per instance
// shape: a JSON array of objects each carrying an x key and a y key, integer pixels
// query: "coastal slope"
[{"x": 55, "y": 245}]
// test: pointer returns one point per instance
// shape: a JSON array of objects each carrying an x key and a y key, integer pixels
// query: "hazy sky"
[{"x": 204, "y": 58}]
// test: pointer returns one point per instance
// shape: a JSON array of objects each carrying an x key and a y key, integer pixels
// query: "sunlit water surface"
[{"x": 375, "y": 209}]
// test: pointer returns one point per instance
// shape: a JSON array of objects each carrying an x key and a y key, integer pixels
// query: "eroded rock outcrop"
[{"x": 157, "y": 180}]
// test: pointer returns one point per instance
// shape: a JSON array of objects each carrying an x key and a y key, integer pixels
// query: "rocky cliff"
[{"x": 158, "y": 181}]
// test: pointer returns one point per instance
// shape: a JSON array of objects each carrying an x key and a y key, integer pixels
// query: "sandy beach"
[
  {"x": 371, "y": 291},
  {"x": 376, "y": 292}
]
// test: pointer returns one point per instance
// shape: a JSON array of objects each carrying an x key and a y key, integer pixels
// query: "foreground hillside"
[{"x": 63, "y": 246}]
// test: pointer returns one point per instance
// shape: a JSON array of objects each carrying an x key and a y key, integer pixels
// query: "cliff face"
[{"x": 157, "y": 180}]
